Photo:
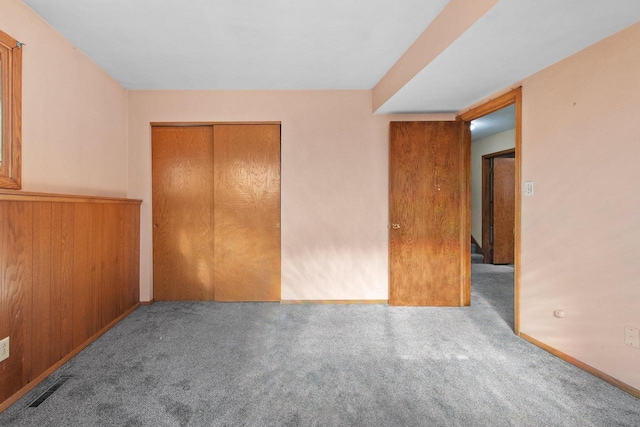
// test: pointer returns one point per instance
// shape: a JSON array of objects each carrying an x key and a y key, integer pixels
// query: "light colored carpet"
[{"x": 211, "y": 364}]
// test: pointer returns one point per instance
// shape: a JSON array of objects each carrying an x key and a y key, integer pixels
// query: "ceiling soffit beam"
[{"x": 451, "y": 23}]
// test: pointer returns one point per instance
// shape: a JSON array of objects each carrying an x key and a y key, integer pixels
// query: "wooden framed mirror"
[{"x": 10, "y": 112}]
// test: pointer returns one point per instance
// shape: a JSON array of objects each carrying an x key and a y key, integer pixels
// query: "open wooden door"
[
  {"x": 504, "y": 203},
  {"x": 429, "y": 214}
]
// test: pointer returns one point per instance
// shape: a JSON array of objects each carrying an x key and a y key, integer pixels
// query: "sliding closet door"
[
  {"x": 247, "y": 212},
  {"x": 182, "y": 163}
]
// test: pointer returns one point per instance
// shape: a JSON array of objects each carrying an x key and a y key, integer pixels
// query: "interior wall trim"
[
  {"x": 499, "y": 153},
  {"x": 514, "y": 96},
  {"x": 334, "y": 301},
  {"x": 187, "y": 124},
  {"x": 37, "y": 380},
  {"x": 16, "y": 195},
  {"x": 491, "y": 105},
  {"x": 590, "y": 369}
]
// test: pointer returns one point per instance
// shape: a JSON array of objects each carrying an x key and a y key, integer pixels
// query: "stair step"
[{"x": 477, "y": 258}]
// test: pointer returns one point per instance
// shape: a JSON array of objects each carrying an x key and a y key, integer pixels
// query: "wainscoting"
[{"x": 69, "y": 270}]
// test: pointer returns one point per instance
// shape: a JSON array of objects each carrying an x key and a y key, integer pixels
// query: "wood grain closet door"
[
  {"x": 182, "y": 163},
  {"x": 429, "y": 235},
  {"x": 247, "y": 212},
  {"x": 504, "y": 207}
]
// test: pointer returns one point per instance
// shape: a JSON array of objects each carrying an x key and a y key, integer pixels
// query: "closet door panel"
[
  {"x": 182, "y": 169},
  {"x": 247, "y": 212}
]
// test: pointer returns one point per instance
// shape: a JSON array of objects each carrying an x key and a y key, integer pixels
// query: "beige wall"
[
  {"x": 487, "y": 145},
  {"x": 334, "y": 181},
  {"x": 581, "y": 229},
  {"x": 74, "y": 116}
]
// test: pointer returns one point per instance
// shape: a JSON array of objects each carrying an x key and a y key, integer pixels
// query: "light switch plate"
[
  {"x": 528, "y": 188},
  {"x": 4, "y": 349}
]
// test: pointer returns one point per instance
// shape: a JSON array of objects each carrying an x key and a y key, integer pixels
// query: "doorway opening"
[
  {"x": 497, "y": 160},
  {"x": 498, "y": 206}
]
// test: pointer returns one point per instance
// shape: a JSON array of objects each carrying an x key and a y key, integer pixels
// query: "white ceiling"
[
  {"x": 242, "y": 44},
  {"x": 515, "y": 39},
  {"x": 330, "y": 44}
]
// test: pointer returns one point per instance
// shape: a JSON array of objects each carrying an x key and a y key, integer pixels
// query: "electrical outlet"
[
  {"x": 632, "y": 337},
  {"x": 4, "y": 349},
  {"x": 528, "y": 188}
]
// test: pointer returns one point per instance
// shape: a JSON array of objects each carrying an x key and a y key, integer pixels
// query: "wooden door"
[
  {"x": 182, "y": 169},
  {"x": 247, "y": 212},
  {"x": 429, "y": 257},
  {"x": 504, "y": 203}
]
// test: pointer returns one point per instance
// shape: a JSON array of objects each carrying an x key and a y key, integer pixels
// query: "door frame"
[
  {"x": 512, "y": 97},
  {"x": 487, "y": 246}
]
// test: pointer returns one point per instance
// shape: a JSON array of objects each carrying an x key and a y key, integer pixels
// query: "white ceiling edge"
[
  {"x": 241, "y": 44},
  {"x": 514, "y": 40}
]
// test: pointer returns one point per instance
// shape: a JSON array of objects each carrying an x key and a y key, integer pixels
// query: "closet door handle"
[
  {"x": 395, "y": 226},
  {"x": 277, "y": 225}
]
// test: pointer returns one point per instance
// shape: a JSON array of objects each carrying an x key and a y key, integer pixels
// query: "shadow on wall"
[{"x": 347, "y": 258}]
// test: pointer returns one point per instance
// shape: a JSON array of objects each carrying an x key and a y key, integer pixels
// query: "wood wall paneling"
[
  {"x": 247, "y": 212},
  {"x": 16, "y": 250},
  {"x": 69, "y": 266},
  {"x": 110, "y": 287},
  {"x": 55, "y": 295},
  {"x": 132, "y": 256},
  {"x": 83, "y": 282},
  {"x": 97, "y": 260},
  {"x": 43, "y": 317},
  {"x": 428, "y": 198},
  {"x": 62, "y": 271}
]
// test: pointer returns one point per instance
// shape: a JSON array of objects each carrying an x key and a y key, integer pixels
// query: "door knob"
[
  {"x": 395, "y": 226},
  {"x": 277, "y": 225}
]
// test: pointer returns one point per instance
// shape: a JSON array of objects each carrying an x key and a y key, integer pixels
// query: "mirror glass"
[{"x": 1, "y": 121}]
